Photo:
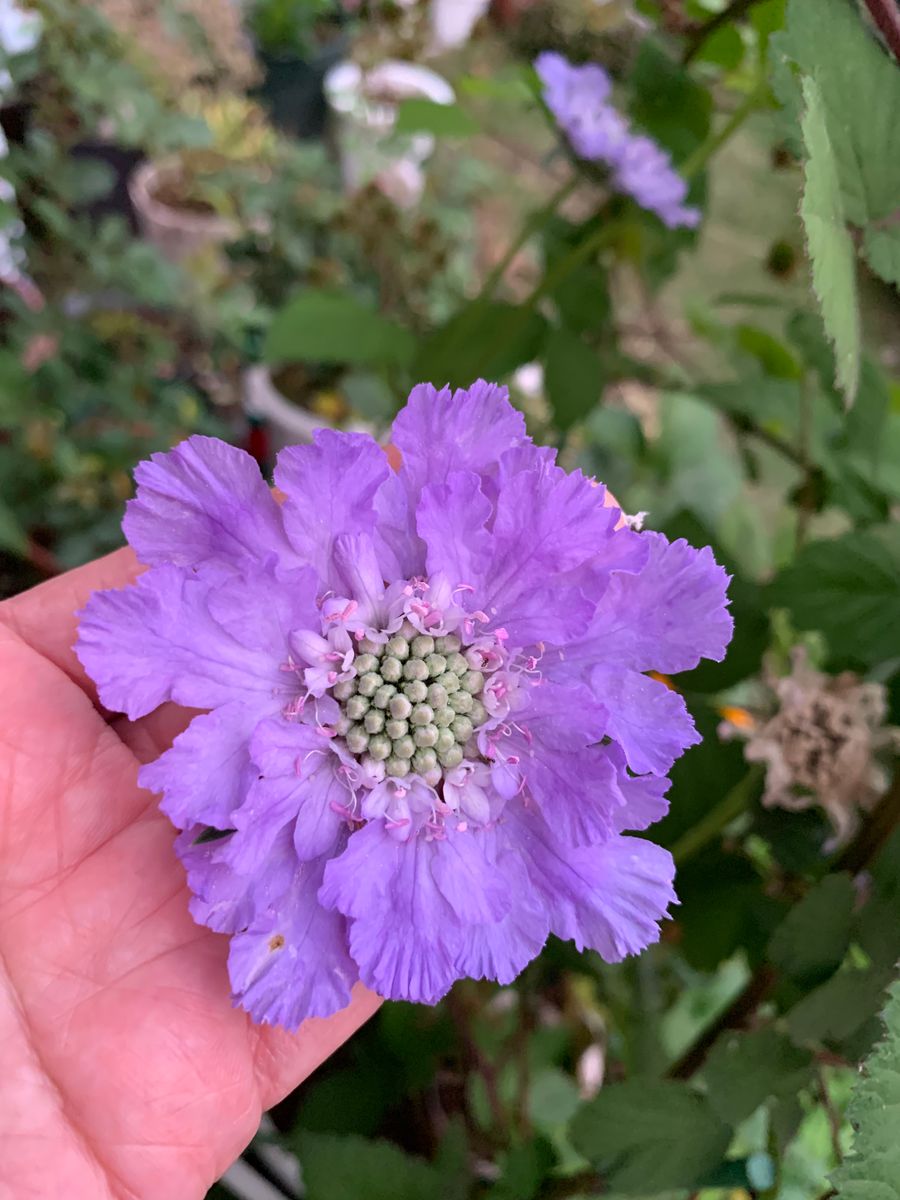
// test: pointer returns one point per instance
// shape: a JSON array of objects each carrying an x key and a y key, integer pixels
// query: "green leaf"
[
  {"x": 347, "y": 1168},
  {"x": 872, "y": 1170},
  {"x": 484, "y": 340},
  {"x": 650, "y": 1137},
  {"x": 882, "y": 250},
  {"x": 849, "y": 589},
  {"x": 12, "y": 536},
  {"x": 667, "y": 102},
  {"x": 335, "y": 327},
  {"x": 573, "y": 377},
  {"x": 812, "y": 940},
  {"x": 745, "y": 1069},
  {"x": 583, "y": 298},
  {"x": 524, "y": 1167},
  {"x": 773, "y": 355},
  {"x": 830, "y": 244},
  {"x": 838, "y": 1009},
  {"x": 725, "y": 48},
  {"x": 416, "y": 115},
  {"x": 552, "y": 1099}
]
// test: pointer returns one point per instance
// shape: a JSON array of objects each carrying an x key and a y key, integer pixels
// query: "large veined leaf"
[
  {"x": 830, "y": 245},
  {"x": 647, "y": 1137},
  {"x": 335, "y": 327},
  {"x": 872, "y": 1170}
]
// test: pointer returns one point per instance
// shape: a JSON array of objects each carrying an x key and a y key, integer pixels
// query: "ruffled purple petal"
[
  {"x": 451, "y": 519},
  {"x": 411, "y": 903},
  {"x": 644, "y": 796},
  {"x": 203, "y": 505},
  {"x": 664, "y": 618},
  {"x": 297, "y": 782},
  {"x": 609, "y": 897},
  {"x": 158, "y": 640},
  {"x": 331, "y": 488},
  {"x": 292, "y": 963},
  {"x": 466, "y": 430},
  {"x": 571, "y": 779},
  {"x": 649, "y": 721},
  {"x": 205, "y": 775}
]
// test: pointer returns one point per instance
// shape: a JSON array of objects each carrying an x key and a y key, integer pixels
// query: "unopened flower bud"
[
  {"x": 416, "y": 691},
  {"x": 422, "y": 646},
  {"x": 374, "y": 721},
  {"x": 369, "y": 684},
  {"x": 391, "y": 668},
  {"x": 344, "y": 690},
  {"x": 357, "y": 739},
  {"x": 436, "y": 664},
  {"x": 462, "y": 729},
  {"x": 448, "y": 644},
  {"x": 426, "y": 735},
  {"x": 398, "y": 767},
  {"x": 400, "y": 707},
  {"x": 384, "y": 695},
  {"x": 364, "y": 663},
  {"x": 404, "y": 747},
  {"x": 356, "y": 707},
  {"x": 452, "y": 758},
  {"x": 461, "y": 702},
  {"x": 379, "y": 746},
  {"x": 414, "y": 668},
  {"x": 457, "y": 664},
  {"x": 472, "y": 682},
  {"x": 398, "y": 647},
  {"x": 396, "y": 729},
  {"x": 422, "y": 714}
]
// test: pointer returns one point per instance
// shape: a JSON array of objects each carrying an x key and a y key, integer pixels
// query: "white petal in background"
[{"x": 452, "y": 21}]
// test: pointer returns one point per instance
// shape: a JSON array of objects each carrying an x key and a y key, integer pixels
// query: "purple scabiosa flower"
[
  {"x": 578, "y": 97},
  {"x": 429, "y": 723}
]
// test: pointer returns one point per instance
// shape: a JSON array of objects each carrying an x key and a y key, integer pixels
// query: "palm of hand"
[{"x": 128, "y": 1074}]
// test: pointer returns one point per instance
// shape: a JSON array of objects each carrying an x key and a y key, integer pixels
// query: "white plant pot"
[
  {"x": 366, "y": 107},
  {"x": 177, "y": 233},
  {"x": 287, "y": 424}
]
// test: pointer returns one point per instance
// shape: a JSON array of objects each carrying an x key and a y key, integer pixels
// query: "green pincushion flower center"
[{"x": 414, "y": 703}]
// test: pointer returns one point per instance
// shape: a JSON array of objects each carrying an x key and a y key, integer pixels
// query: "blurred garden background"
[{"x": 256, "y": 219}]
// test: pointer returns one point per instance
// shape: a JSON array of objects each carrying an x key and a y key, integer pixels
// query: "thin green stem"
[
  {"x": 530, "y": 227},
  {"x": 695, "y": 162},
  {"x": 718, "y": 818}
]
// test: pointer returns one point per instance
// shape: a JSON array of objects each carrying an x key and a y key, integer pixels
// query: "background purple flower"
[
  {"x": 578, "y": 97},
  {"x": 429, "y": 721}
]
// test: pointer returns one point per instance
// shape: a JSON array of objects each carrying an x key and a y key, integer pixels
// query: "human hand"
[{"x": 125, "y": 1074}]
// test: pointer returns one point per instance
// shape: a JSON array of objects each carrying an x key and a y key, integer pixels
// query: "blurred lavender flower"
[
  {"x": 578, "y": 97},
  {"x": 429, "y": 720}
]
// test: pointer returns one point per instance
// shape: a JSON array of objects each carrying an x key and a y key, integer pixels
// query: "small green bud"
[
  {"x": 445, "y": 740},
  {"x": 367, "y": 646},
  {"x": 461, "y": 702},
  {"x": 404, "y": 747},
  {"x": 436, "y": 664},
  {"x": 462, "y": 729},
  {"x": 478, "y": 714},
  {"x": 369, "y": 684},
  {"x": 357, "y": 739},
  {"x": 398, "y": 647},
  {"x": 408, "y": 630},
  {"x": 364, "y": 663},
  {"x": 444, "y": 717},
  {"x": 374, "y": 721},
  {"x": 400, "y": 707},
  {"x": 356, "y": 707},
  {"x": 424, "y": 760},
  {"x": 457, "y": 664},
  {"x": 449, "y": 681},
  {"x": 437, "y": 696},
  {"x": 344, "y": 690},
  {"x": 422, "y": 714},
  {"x": 472, "y": 682},
  {"x": 414, "y": 668},
  {"x": 379, "y": 747},
  {"x": 398, "y": 767},
  {"x": 342, "y": 724},
  {"x": 452, "y": 758},
  {"x": 422, "y": 645},
  {"x": 448, "y": 644},
  {"x": 391, "y": 668},
  {"x": 384, "y": 695},
  {"x": 396, "y": 729},
  {"x": 416, "y": 691},
  {"x": 426, "y": 735}
]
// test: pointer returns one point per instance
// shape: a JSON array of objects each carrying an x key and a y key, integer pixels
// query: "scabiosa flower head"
[
  {"x": 428, "y": 720},
  {"x": 578, "y": 97}
]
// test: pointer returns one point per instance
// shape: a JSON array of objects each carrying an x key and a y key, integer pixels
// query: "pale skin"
[{"x": 125, "y": 1072}]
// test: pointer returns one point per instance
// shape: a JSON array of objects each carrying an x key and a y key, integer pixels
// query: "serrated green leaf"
[
  {"x": 812, "y": 940},
  {"x": 829, "y": 242},
  {"x": 838, "y": 1009},
  {"x": 487, "y": 340},
  {"x": 417, "y": 115},
  {"x": 872, "y": 1170},
  {"x": 849, "y": 589},
  {"x": 745, "y": 1069},
  {"x": 319, "y": 325},
  {"x": 573, "y": 377},
  {"x": 650, "y": 1137},
  {"x": 882, "y": 250}
]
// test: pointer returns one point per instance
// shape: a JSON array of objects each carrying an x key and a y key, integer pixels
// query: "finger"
[
  {"x": 45, "y": 618},
  {"x": 284, "y": 1060}
]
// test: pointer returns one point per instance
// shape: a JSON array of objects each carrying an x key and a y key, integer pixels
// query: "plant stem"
[
  {"x": 718, "y": 818},
  {"x": 529, "y": 227},
  {"x": 695, "y": 162},
  {"x": 734, "y": 11}
]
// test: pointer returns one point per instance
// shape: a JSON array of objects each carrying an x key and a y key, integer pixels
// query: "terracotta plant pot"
[{"x": 177, "y": 233}]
